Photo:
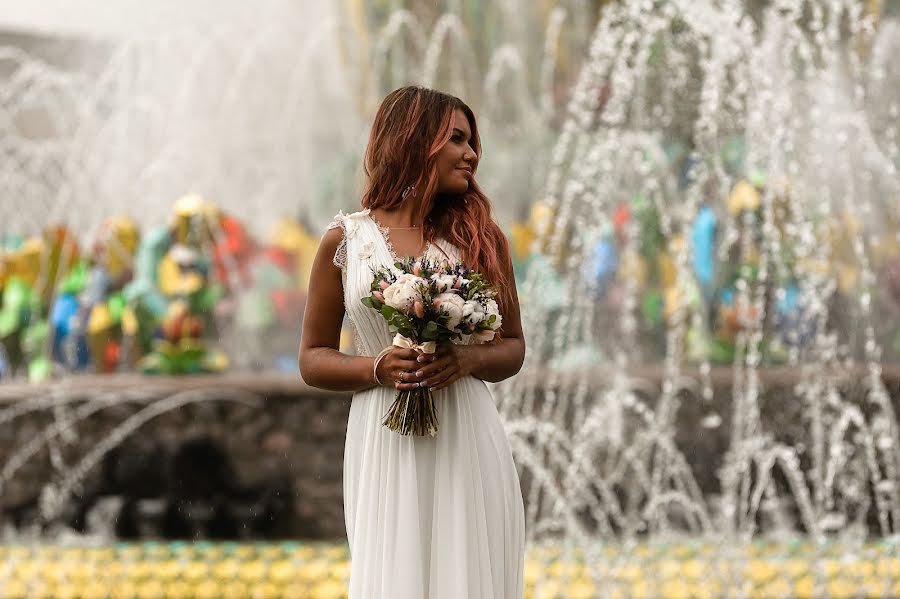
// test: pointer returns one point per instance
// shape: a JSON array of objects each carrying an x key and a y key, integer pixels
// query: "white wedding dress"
[{"x": 427, "y": 517}]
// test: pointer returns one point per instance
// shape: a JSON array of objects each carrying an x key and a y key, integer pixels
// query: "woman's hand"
[
  {"x": 436, "y": 371},
  {"x": 398, "y": 364}
]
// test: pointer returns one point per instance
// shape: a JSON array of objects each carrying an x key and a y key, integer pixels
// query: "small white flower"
[
  {"x": 442, "y": 282},
  {"x": 452, "y": 305},
  {"x": 492, "y": 309},
  {"x": 403, "y": 293},
  {"x": 473, "y": 312}
]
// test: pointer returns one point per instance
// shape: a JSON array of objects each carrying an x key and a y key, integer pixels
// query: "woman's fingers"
[
  {"x": 406, "y": 381},
  {"x": 429, "y": 370},
  {"x": 407, "y": 355},
  {"x": 437, "y": 380},
  {"x": 406, "y": 386},
  {"x": 405, "y": 365},
  {"x": 442, "y": 371},
  {"x": 442, "y": 379},
  {"x": 403, "y": 359},
  {"x": 411, "y": 369}
]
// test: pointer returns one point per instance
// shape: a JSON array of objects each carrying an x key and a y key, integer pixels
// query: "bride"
[{"x": 427, "y": 517}]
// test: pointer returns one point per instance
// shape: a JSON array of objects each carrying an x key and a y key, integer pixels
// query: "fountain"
[
  {"x": 722, "y": 202},
  {"x": 161, "y": 117},
  {"x": 711, "y": 298}
]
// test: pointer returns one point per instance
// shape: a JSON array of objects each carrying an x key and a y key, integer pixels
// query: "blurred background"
[{"x": 703, "y": 203}]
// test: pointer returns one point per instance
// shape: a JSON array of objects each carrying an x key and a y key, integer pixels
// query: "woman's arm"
[
  {"x": 321, "y": 363},
  {"x": 492, "y": 362}
]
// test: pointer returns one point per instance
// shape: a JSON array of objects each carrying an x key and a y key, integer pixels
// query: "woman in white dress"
[{"x": 427, "y": 517}]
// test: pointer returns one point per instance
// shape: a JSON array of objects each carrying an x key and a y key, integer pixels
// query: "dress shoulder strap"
[
  {"x": 349, "y": 224},
  {"x": 340, "y": 254}
]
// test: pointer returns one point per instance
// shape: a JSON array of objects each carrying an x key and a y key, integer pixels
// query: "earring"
[{"x": 406, "y": 191}]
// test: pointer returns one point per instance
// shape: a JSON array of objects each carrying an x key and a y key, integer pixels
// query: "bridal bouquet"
[{"x": 425, "y": 303}]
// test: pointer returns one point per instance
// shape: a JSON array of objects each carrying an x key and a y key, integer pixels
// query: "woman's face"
[{"x": 456, "y": 161}]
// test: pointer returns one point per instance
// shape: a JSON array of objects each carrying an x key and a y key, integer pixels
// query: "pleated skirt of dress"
[{"x": 433, "y": 517}]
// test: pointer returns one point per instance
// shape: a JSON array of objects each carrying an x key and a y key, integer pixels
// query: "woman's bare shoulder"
[{"x": 331, "y": 238}]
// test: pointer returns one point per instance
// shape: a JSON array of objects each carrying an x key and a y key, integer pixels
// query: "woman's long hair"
[{"x": 410, "y": 128}]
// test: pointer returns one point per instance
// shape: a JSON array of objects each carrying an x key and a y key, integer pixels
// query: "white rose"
[
  {"x": 403, "y": 293},
  {"x": 443, "y": 282},
  {"x": 473, "y": 312},
  {"x": 492, "y": 309},
  {"x": 451, "y": 305}
]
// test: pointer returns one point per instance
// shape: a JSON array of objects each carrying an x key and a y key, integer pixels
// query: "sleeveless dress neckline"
[{"x": 385, "y": 234}]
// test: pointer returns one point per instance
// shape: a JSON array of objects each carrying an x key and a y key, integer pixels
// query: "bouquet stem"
[{"x": 413, "y": 413}]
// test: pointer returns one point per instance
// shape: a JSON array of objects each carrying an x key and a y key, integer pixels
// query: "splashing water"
[
  {"x": 800, "y": 88},
  {"x": 133, "y": 124},
  {"x": 718, "y": 162}
]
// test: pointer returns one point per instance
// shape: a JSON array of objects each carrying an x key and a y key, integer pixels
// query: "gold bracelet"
[{"x": 378, "y": 359}]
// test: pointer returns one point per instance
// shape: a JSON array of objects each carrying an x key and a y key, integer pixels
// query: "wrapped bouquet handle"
[
  {"x": 413, "y": 412},
  {"x": 429, "y": 347}
]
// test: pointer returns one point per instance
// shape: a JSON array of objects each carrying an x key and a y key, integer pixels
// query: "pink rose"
[
  {"x": 379, "y": 295},
  {"x": 419, "y": 309},
  {"x": 383, "y": 284},
  {"x": 404, "y": 292}
]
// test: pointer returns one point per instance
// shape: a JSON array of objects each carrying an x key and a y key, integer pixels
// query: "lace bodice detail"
[
  {"x": 340, "y": 254},
  {"x": 365, "y": 246}
]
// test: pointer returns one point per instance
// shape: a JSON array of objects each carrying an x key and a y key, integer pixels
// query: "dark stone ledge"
[
  {"x": 276, "y": 468},
  {"x": 266, "y": 383}
]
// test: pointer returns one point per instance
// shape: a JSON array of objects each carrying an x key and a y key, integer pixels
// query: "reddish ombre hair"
[{"x": 411, "y": 126}]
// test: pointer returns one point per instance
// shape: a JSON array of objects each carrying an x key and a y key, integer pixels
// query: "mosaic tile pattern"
[{"x": 320, "y": 571}]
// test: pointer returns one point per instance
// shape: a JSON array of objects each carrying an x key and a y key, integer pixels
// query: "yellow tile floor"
[{"x": 687, "y": 570}]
